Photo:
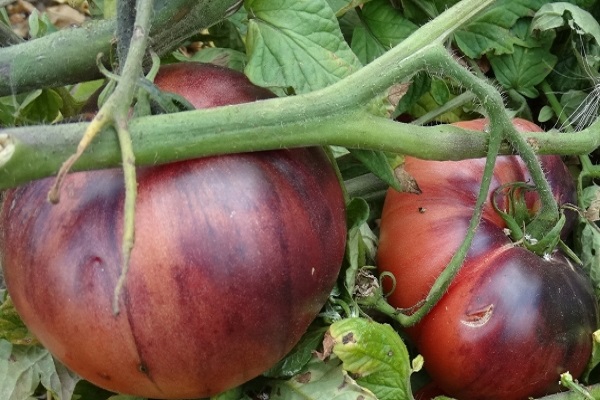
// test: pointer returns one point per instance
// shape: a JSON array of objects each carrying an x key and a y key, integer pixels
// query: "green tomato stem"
[
  {"x": 43, "y": 62},
  {"x": 30, "y": 153},
  {"x": 122, "y": 98}
]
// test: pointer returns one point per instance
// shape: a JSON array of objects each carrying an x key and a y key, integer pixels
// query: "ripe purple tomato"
[
  {"x": 511, "y": 321},
  {"x": 234, "y": 257}
]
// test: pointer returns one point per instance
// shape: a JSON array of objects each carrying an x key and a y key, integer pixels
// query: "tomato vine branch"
[{"x": 41, "y": 62}]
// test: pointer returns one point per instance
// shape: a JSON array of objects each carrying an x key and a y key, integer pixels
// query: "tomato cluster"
[
  {"x": 234, "y": 256},
  {"x": 511, "y": 321}
]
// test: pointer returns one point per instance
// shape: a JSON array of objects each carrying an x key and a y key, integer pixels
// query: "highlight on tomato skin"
[
  {"x": 234, "y": 257},
  {"x": 511, "y": 321}
]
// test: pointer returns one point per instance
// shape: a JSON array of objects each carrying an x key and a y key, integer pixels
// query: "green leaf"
[
  {"x": 490, "y": 32},
  {"x": 12, "y": 327},
  {"x": 42, "y": 105},
  {"x": 383, "y": 28},
  {"x": 375, "y": 354},
  {"x": 546, "y": 114},
  {"x": 590, "y": 237},
  {"x": 595, "y": 358},
  {"x": 296, "y": 44},
  {"x": 420, "y": 85},
  {"x": 357, "y": 214},
  {"x": 232, "y": 394},
  {"x": 529, "y": 63},
  {"x": 23, "y": 368},
  {"x": 555, "y": 15},
  {"x": 377, "y": 162},
  {"x": 40, "y": 25},
  {"x": 341, "y": 7},
  {"x": 320, "y": 381},
  {"x": 224, "y": 57},
  {"x": 300, "y": 355}
]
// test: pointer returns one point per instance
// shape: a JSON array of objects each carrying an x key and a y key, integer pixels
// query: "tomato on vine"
[
  {"x": 234, "y": 257},
  {"x": 511, "y": 321}
]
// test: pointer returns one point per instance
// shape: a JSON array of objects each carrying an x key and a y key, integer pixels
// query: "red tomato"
[
  {"x": 511, "y": 321},
  {"x": 234, "y": 256}
]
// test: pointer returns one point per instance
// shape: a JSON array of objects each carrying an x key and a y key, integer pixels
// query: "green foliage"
[
  {"x": 491, "y": 32},
  {"x": 295, "y": 361},
  {"x": 12, "y": 329},
  {"x": 528, "y": 64},
  {"x": 296, "y": 45},
  {"x": 321, "y": 380},
  {"x": 381, "y": 28},
  {"x": 375, "y": 355},
  {"x": 24, "y": 368}
]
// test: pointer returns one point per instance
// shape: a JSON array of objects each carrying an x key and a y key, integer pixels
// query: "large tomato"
[
  {"x": 511, "y": 321},
  {"x": 234, "y": 256}
]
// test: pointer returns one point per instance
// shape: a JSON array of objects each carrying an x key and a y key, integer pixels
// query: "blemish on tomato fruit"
[
  {"x": 478, "y": 318},
  {"x": 143, "y": 369},
  {"x": 348, "y": 338},
  {"x": 104, "y": 376},
  {"x": 422, "y": 210}
]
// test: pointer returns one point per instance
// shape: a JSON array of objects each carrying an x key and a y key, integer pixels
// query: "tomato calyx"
[{"x": 523, "y": 226}]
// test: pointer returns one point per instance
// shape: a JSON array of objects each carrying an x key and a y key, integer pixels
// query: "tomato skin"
[
  {"x": 234, "y": 257},
  {"x": 510, "y": 321}
]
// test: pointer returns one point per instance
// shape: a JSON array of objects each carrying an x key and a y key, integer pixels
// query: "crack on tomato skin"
[
  {"x": 479, "y": 317},
  {"x": 142, "y": 365}
]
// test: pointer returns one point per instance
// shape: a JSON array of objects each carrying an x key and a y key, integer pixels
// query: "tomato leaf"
[
  {"x": 377, "y": 162},
  {"x": 12, "y": 327},
  {"x": 382, "y": 28},
  {"x": 42, "y": 105},
  {"x": 299, "y": 356},
  {"x": 490, "y": 32},
  {"x": 224, "y": 57},
  {"x": 375, "y": 354},
  {"x": 232, "y": 394},
  {"x": 590, "y": 240},
  {"x": 555, "y": 15},
  {"x": 528, "y": 64},
  {"x": 595, "y": 358},
  {"x": 23, "y": 368},
  {"x": 340, "y": 7},
  {"x": 320, "y": 381},
  {"x": 296, "y": 44},
  {"x": 420, "y": 85}
]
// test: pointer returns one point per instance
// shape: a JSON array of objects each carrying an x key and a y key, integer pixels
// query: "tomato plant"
[
  {"x": 504, "y": 302},
  {"x": 393, "y": 93},
  {"x": 234, "y": 256}
]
